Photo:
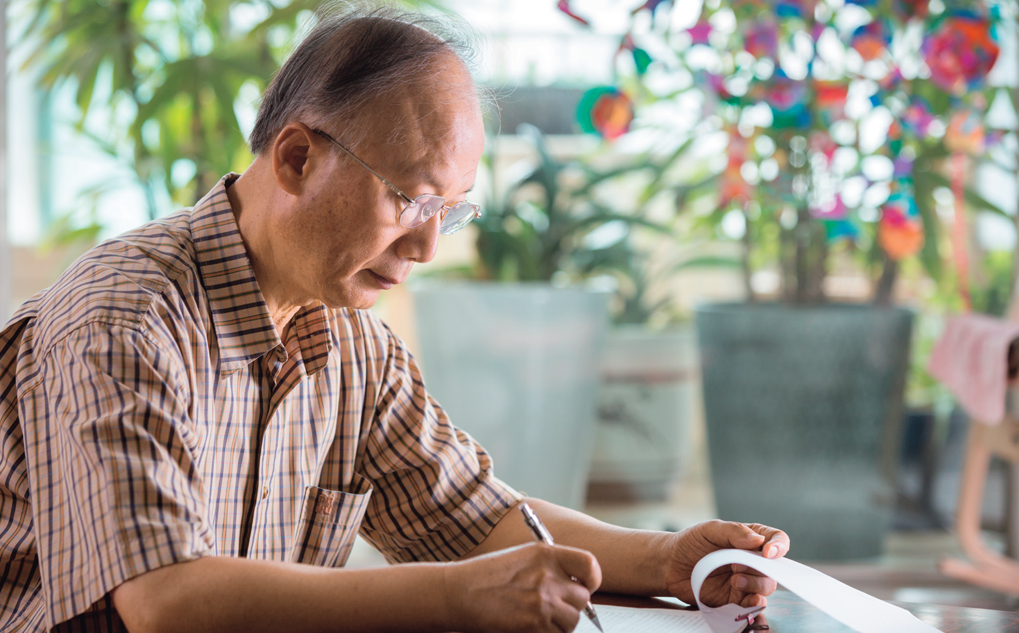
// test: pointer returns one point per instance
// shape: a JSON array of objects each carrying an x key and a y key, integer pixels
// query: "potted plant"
[
  {"x": 838, "y": 121},
  {"x": 511, "y": 349}
]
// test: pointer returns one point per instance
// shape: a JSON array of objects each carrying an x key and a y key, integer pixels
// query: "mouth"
[{"x": 384, "y": 282}]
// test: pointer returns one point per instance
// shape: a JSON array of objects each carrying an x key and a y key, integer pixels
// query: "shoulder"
[{"x": 126, "y": 281}]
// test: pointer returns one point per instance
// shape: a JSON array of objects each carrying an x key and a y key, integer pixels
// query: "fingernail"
[{"x": 741, "y": 582}]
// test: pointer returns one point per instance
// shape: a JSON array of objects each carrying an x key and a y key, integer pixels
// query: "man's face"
[{"x": 343, "y": 242}]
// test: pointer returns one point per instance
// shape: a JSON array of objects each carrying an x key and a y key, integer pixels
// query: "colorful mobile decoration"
[
  {"x": 900, "y": 231},
  {"x": 606, "y": 111},
  {"x": 700, "y": 33},
  {"x": 760, "y": 39},
  {"x": 795, "y": 8},
  {"x": 871, "y": 40},
  {"x": 960, "y": 52},
  {"x": 788, "y": 101},
  {"x": 641, "y": 58},
  {"x": 906, "y": 9},
  {"x": 917, "y": 118},
  {"x": 564, "y": 6},
  {"x": 836, "y": 230},
  {"x": 830, "y": 98}
]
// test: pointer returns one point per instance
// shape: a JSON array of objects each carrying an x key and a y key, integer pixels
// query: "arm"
[
  {"x": 525, "y": 588},
  {"x": 641, "y": 562}
]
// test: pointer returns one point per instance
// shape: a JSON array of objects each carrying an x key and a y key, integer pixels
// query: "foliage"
[
  {"x": 535, "y": 226},
  {"x": 839, "y": 120},
  {"x": 158, "y": 83}
]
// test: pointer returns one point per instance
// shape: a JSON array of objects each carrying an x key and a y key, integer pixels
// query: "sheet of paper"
[
  {"x": 629, "y": 620},
  {"x": 849, "y": 606}
]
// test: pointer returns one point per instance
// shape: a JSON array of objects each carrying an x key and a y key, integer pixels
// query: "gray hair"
[{"x": 355, "y": 55}]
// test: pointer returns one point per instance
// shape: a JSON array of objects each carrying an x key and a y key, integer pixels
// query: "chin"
[{"x": 353, "y": 300}]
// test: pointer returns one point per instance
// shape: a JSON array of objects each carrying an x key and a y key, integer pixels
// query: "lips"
[{"x": 385, "y": 282}]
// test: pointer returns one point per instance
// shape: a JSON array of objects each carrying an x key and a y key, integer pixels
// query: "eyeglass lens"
[{"x": 424, "y": 207}]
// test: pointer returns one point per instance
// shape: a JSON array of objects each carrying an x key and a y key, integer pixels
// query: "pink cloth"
[{"x": 971, "y": 359}]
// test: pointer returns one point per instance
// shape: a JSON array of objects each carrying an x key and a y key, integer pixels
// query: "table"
[{"x": 788, "y": 613}]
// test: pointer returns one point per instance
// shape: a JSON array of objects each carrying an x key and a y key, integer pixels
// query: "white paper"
[
  {"x": 849, "y": 606},
  {"x": 624, "y": 619}
]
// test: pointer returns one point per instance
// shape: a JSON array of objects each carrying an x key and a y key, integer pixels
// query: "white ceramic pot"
[
  {"x": 516, "y": 366},
  {"x": 648, "y": 386}
]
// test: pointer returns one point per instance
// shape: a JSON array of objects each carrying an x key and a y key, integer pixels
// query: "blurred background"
[{"x": 720, "y": 241}]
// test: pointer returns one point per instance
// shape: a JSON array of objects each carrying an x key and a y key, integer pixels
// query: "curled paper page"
[{"x": 849, "y": 606}]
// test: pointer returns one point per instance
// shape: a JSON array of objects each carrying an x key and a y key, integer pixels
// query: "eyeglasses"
[{"x": 421, "y": 209}]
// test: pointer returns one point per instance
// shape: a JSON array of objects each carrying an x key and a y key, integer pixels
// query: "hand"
[
  {"x": 525, "y": 588},
  {"x": 732, "y": 584}
]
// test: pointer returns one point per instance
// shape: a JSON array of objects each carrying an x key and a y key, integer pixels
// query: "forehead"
[{"x": 433, "y": 125}]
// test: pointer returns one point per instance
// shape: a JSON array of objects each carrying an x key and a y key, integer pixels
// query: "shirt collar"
[{"x": 244, "y": 329}]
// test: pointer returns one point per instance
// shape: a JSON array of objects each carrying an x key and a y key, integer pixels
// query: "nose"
[{"x": 421, "y": 243}]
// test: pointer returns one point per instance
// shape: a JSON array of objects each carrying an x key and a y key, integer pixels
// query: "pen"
[{"x": 542, "y": 534}]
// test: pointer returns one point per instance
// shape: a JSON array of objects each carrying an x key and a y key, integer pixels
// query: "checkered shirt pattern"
[{"x": 150, "y": 414}]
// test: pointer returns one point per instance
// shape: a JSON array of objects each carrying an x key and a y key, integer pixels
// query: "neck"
[{"x": 252, "y": 198}]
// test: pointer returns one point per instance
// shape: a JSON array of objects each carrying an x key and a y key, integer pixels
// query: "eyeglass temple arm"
[{"x": 365, "y": 165}]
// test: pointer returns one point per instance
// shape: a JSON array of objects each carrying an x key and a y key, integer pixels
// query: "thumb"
[{"x": 742, "y": 536}]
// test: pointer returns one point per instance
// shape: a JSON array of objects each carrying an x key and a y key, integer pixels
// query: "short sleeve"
[
  {"x": 114, "y": 488},
  {"x": 436, "y": 497}
]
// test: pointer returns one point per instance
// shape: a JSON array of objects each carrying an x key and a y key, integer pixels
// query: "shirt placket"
[{"x": 270, "y": 498}]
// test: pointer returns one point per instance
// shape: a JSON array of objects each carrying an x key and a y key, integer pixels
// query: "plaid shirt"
[{"x": 150, "y": 414}]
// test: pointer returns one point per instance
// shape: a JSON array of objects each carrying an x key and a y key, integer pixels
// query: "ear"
[{"x": 296, "y": 153}]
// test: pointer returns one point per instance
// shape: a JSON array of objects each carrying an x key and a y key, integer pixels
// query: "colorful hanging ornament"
[
  {"x": 564, "y": 6},
  {"x": 788, "y": 101},
  {"x": 872, "y": 40},
  {"x": 917, "y": 118},
  {"x": 900, "y": 231},
  {"x": 700, "y": 33},
  {"x": 760, "y": 39},
  {"x": 960, "y": 52},
  {"x": 795, "y": 8},
  {"x": 965, "y": 134},
  {"x": 830, "y": 100},
  {"x": 906, "y": 9},
  {"x": 606, "y": 111},
  {"x": 641, "y": 58},
  {"x": 837, "y": 230}
]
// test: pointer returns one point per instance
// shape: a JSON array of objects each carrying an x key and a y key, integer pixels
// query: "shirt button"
[{"x": 265, "y": 492}]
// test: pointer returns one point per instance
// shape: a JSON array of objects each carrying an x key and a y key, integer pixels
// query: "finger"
[
  {"x": 576, "y": 595},
  {"x": 565, "y": 616},
  {"x": 737, "y": 535},
  {"x": 753, "y": 583},
  {"x": 754, "y": 600},
  {"x": 776, "y": 541},
  {"x": 579, "y": 564}
]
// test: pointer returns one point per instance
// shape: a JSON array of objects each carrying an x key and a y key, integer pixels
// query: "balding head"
[{"x": 355, "y": 62}]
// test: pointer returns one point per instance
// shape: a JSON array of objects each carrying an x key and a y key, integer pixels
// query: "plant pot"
[
  {"x": 803, "y": 407},
  {"x": 644, "y": 409},
  {"x": 515, "y": 366}
]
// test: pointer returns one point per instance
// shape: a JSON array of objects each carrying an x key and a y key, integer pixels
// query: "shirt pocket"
[{"x": 329, "y": 521}]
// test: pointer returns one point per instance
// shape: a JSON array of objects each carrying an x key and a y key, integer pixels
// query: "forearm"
[
  {"x": 231, "y": 594},
  {"x": 632, "y": 561}
]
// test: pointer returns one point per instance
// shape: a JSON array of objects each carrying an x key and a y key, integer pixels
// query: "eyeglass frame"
[{"x": 444, "y": 209}]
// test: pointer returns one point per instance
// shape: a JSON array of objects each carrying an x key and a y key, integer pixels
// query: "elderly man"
[{"x": 199, "y": 406}]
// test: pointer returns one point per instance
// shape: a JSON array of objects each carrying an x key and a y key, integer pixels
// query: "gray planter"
[
  {"x": 516, "y": 366},
  {"x": 803, "y": 407}
]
